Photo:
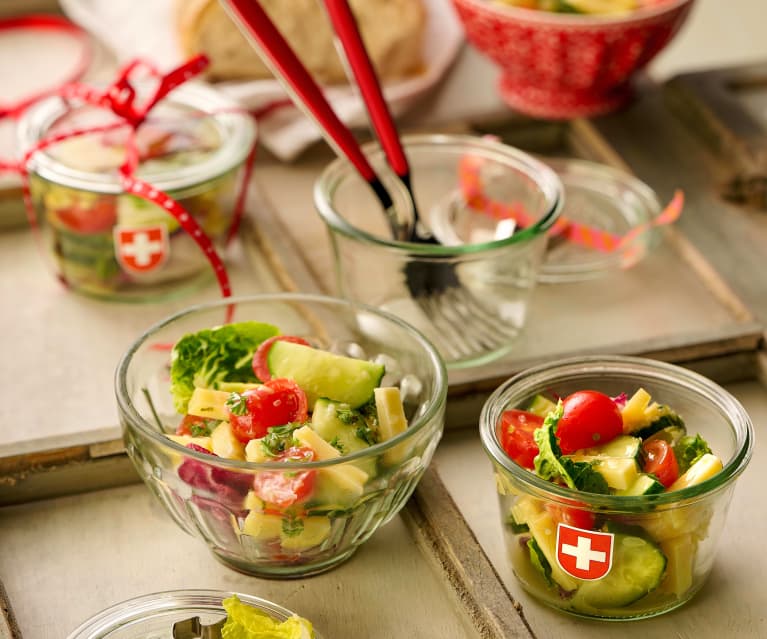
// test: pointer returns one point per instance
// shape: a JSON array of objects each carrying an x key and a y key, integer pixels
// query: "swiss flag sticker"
[
  {"x": 584, "y": 554},
  {"x": 141, "y": 250}
]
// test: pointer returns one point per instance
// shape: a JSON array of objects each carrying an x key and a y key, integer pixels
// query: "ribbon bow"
[{"x": 122, "y": 98}]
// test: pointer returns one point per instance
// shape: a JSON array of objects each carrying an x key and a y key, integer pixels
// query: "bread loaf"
[{"x": 392, "y": 30}]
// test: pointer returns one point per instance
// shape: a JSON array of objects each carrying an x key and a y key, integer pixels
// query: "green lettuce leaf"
[
  {"x": 688, "y": 450},
  {"x": 207, "y": 357},
  {"x": 246, "y": 622}
]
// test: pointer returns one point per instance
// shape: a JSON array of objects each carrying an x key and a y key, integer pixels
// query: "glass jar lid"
[
  {"x": 152, "y": 616},
  {"x": 196, "y": 134},
  {"x": 599, "y": 198}
]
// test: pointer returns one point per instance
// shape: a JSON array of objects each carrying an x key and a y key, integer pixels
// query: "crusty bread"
[{"x": 392, "y": 30}]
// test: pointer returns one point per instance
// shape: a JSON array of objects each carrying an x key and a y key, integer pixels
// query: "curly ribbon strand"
[{"x": 587, "y": 236}]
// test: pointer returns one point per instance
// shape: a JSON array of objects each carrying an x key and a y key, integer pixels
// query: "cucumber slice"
[
  {"x": 637, "y": 568},
  {"x": 644, "y": 485},
  {"x": 322, "y": 374},
  {"x": 541, "y": 406},
  {"x": 340, "y": 435}
]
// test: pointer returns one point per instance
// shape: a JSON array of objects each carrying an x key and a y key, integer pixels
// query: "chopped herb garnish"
[
  {"x": 364, "y": 420},
  {"x": 335, "y": 443},
  {"x": 279, "y": 438},
  {"x": 203, "y": 428},
  {"x": 237, "y": 404},
  {"x": 292, "y": 525}
]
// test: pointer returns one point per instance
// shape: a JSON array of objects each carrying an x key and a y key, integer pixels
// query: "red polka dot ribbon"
[{"x": 472, "y": 189}]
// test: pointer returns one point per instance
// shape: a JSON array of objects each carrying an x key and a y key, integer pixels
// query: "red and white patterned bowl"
[{"x": 561, "y": 66}]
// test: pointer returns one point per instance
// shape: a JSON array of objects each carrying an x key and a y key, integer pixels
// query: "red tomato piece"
[
  {"x": 577, "y": 516},
  {"x": 260, "y": 364},
  {"x": 659, "y": 460},
  {"x": 99, "y": 217},
  {"x": 274, "y": 403},
  {"x": 589, "y": 418},
  {"x": 517, "y": 428},
  {"x": 283, "y": 488},
  {"x": 192, "y": 424}
]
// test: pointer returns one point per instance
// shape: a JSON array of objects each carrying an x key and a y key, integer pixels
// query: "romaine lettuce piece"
[
  {"x": 208, "y": 357},
  {"x": 247, "y": 622}
]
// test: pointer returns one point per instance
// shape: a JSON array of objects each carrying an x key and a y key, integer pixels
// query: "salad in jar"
[
  {"x": 246, "y": 392},
  {"x": 588, "y": 7},
  {"x": 621, "y": 558}
]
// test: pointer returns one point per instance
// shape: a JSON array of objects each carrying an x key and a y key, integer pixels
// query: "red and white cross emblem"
[
  {"x": 143, "y": 249},
  {"x": 584, "y": 554}
]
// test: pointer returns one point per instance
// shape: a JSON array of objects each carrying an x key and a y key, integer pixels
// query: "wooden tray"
[{"x": 688, "y": 315}]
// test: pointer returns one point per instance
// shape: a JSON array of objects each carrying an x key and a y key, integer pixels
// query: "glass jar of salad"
[
  {"x": 109, "y": 244},
  {"x": 614, "y": 475}
]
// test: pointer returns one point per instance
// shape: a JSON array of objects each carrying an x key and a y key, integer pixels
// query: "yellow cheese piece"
[
  {"x": 544, "y": 529},
  {"x": 253, "y": 502},
  {"x": 225, "y": 444},
  {"x": 206, "y": 402},
  {"x": 391, "y": 422},
  {"x": 262, "y": 526},
  {"x": 322, "y": 451},
  {"x": 703, "y": 469},
  {"x": 692, "y": 519},
  {"x": 254, "y": 452},
  {"x": 526, "y": 508},
  {"x": 184, "y": 440},
  {"x": 315, "y": 531},
  {"x": 633, "y": 412},
  {"x": 680, "y": 554}
]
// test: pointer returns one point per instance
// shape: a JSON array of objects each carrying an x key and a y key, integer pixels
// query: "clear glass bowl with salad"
[
  {"x": 614, "y": 475},
  {"x": 282, "y": 429},
  {"x": 153, "y": 616},
  {"x": 108, "y": 244}
]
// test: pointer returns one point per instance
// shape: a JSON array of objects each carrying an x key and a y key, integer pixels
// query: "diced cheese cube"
[
  {"x": 209, "y": 403},
  {"x": 633, "y": 412},
  {"x": 680, "y": 555},
  {"x": 315, "y": 530},
  {"x": 544, "y": 529},
  {"x": 185, "y": 440},
  {"x": 703, "y": 469},
  {"x": 254, "y": 451},
  {"x": 262, "y": 526},
  {"x": 322, "y": 451},
  {"x": 225, "y": 444},
  {"x": 391, "y": 422}
]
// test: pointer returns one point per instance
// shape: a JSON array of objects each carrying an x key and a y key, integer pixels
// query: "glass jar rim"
[
  {"x": 436, "y": 401},
  {"x": 544, "y": 177},
  {"x": 236, "y": 128},
  {"x": 524, "y": 382},
  {"x": 137, "y": 608}
]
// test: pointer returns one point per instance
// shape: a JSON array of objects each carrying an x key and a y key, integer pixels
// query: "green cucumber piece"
[
  {"x": 343, "y": 436},
  {"x": 541, "y": 406},
  {"x": 637, "y": 569},
  {"x": 644, "y": 485},
  {"x": 322, "y": 374}
]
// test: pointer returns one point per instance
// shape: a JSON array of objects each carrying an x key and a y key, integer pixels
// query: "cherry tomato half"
[
  {"x": 284, "y": 488},
  {"x": 195, "y": 426},
  {"x": 659, "y": 460},
  {"x": 589, "y": 418},
  {"x": 516, "y": 433},
  {"x": 274, "y": 403},
  {"x": 97, "y": 217},
  {"x": 575, "y": 516},
  {"x": 260, "y": 363}
]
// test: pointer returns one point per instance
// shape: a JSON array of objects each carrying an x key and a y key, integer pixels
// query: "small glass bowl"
[
  {"x": 605, "y": 199},
  {"x": 469, "y": 293},
  {"x": 684, "y": 525},
  {"x": 211, "y": 497},
  {"x": 152, "y": 616},
  {"x": 108, "y": 244}
]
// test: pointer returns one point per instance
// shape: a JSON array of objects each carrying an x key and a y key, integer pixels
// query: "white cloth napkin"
[{"x": 143, "y": 28}]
